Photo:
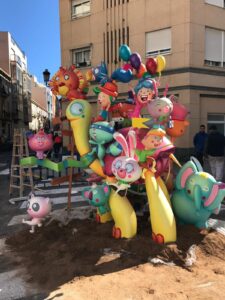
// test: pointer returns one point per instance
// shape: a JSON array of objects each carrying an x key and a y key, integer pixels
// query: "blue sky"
[{"x": 34, "y": 25}]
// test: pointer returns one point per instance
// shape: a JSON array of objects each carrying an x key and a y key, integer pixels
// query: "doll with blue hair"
[{"x": 144, "y": 92}]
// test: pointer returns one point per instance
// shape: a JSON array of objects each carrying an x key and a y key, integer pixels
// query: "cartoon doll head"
[
  {"x": 145, "y": 90},
  {"x": 153, "y": 138}
]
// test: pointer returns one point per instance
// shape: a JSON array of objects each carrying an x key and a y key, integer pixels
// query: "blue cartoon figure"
[
  {"x": 197, "y": 195},
  {"x": 101, "y": 133},
  {"x": 98, "y": 196}
]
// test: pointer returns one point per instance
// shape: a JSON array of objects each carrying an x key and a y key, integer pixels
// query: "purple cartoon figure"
[
  {"x": 37, "y": 208},
  {"x": 40, "y": 142}
]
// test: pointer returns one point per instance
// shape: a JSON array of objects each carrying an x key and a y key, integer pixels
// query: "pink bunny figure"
[
  {"x": 126, "y": 168},
  {"x": 40, "y": 142},
  {"x": 37, "y": 208}
]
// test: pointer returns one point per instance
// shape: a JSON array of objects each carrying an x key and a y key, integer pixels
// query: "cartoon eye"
[
  {"x": 129, "y": 167},
  {"x": 76, "y": 109},
  {"x": 57, "y": 78},
  {"x": 66, "y": 77},
  {"x": 205, "y": 188},
  {"x": 28, "y": 204},
  {"x": 35, "y": 206},
  {"x": 118, "y": 164},
  {"x": 192, "y": 181}
]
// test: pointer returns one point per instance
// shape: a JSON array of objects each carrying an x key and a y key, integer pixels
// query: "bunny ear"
[
  {"x": 122, "y": 141},
  {"x": 132, "y": 143}
]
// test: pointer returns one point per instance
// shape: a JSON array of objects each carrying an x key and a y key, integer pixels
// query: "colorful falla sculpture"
[{"x": 142, "y": 153}]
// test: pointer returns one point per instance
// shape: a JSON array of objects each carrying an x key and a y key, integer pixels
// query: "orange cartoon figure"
[
  {"x": 69, "y": 83},
  {"x": 178, "y": 117}
]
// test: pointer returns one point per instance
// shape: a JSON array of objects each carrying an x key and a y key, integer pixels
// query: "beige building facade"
[
  {"x": 190, "y": 34},
  {"x": 15, "y": 101}
]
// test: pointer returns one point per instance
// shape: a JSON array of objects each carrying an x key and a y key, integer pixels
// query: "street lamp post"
[{"x": 46, "y": 75}]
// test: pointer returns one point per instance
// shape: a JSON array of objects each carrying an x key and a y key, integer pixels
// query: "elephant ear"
[
  {"x": 197, "y": 197},
  {"x": 185, "y": 172},
  {"x": 216, "y": 196}
]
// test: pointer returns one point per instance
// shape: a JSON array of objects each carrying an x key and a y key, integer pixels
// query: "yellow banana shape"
[
  {"x": 162, "y": 217},
  {"x": 78, "y": 113},
  {"x": 123, "y": 214}
]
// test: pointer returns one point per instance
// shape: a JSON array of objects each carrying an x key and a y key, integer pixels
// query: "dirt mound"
[{"x": 56, "y": 255}]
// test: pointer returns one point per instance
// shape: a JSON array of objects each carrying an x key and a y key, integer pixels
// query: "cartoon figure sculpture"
[
  {"x": 98, "y": 196},
  {"x": 78, "y": 112},
  {"x": 145, "y": 91},
  {"x": 178, "y": 118},
  {"x": 37, "y": 208},
  {"x": 106, "y": 97},
  {"x": 197, "y": 195},
  {"x": 126, "y": 168},
  {"x": 40, "y": 142},
  {"x": 69, "y": 83},
  {"x": 101, "y": 133},
  {"x": 160, "y": 110},
  {"x": 100, "y": 73}
]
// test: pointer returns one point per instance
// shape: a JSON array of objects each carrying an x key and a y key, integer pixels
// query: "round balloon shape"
[
  {"x": 161, "y": 63},
  {"x": 135, "y": 60},
  {"x": 141, "y": 71},
  {"x": 124, "y": 52},
  {"x": 151, "y": 65},
  {"x": 127, "y": 67}
]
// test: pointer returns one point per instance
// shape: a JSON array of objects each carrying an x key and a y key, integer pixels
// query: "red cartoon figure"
[{"x": 69, "y": 83}]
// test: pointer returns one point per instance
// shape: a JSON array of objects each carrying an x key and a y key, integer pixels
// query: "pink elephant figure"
[{"x": 40, "y": 142}]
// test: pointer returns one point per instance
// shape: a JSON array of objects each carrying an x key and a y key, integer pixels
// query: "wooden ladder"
[{"x": 19, "y": 173}]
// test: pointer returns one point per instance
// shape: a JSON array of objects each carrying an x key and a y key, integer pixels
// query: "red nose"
[
  {"x": 61, "y": 84},
  {"x": 121, "y": 173}
]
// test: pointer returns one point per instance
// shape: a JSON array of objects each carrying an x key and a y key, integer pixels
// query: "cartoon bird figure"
[{"x": 78, "y": 113}]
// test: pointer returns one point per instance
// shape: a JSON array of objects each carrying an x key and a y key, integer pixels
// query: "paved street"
[{"x": 12, "y": 284}]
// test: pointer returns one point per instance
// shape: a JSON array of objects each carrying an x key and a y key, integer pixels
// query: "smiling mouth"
[{"x": 144, "y": 98}]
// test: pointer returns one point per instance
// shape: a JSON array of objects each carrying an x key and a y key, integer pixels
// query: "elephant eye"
[
  {"x": 205, "y": 188},
  {"x": 192, "y": 181}
]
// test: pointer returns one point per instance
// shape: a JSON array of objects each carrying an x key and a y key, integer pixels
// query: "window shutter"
[
  {"x": 215, "y": 2},
  {"x": 158, "y": 40},
  {"x": 213, "y": 45}
]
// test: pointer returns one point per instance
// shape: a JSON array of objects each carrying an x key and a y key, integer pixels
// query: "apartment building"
[
  {"x": 43, "y": 105},
  {"x": 16, "y": 102},
  {"x": 190, "y": 34}
]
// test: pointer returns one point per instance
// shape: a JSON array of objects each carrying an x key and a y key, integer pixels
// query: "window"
[
  {"x": 81, "y": 57},
  {"x": 158, "y": 42},
  {"x": 214, "y": 47},
  {"x": 220, "y": 3},
  {"x": 80, "y": 8},
  {"x": 218, "y": 120}
]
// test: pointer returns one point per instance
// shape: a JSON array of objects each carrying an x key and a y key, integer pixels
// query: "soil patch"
[{"x": 82, "y": 261}]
